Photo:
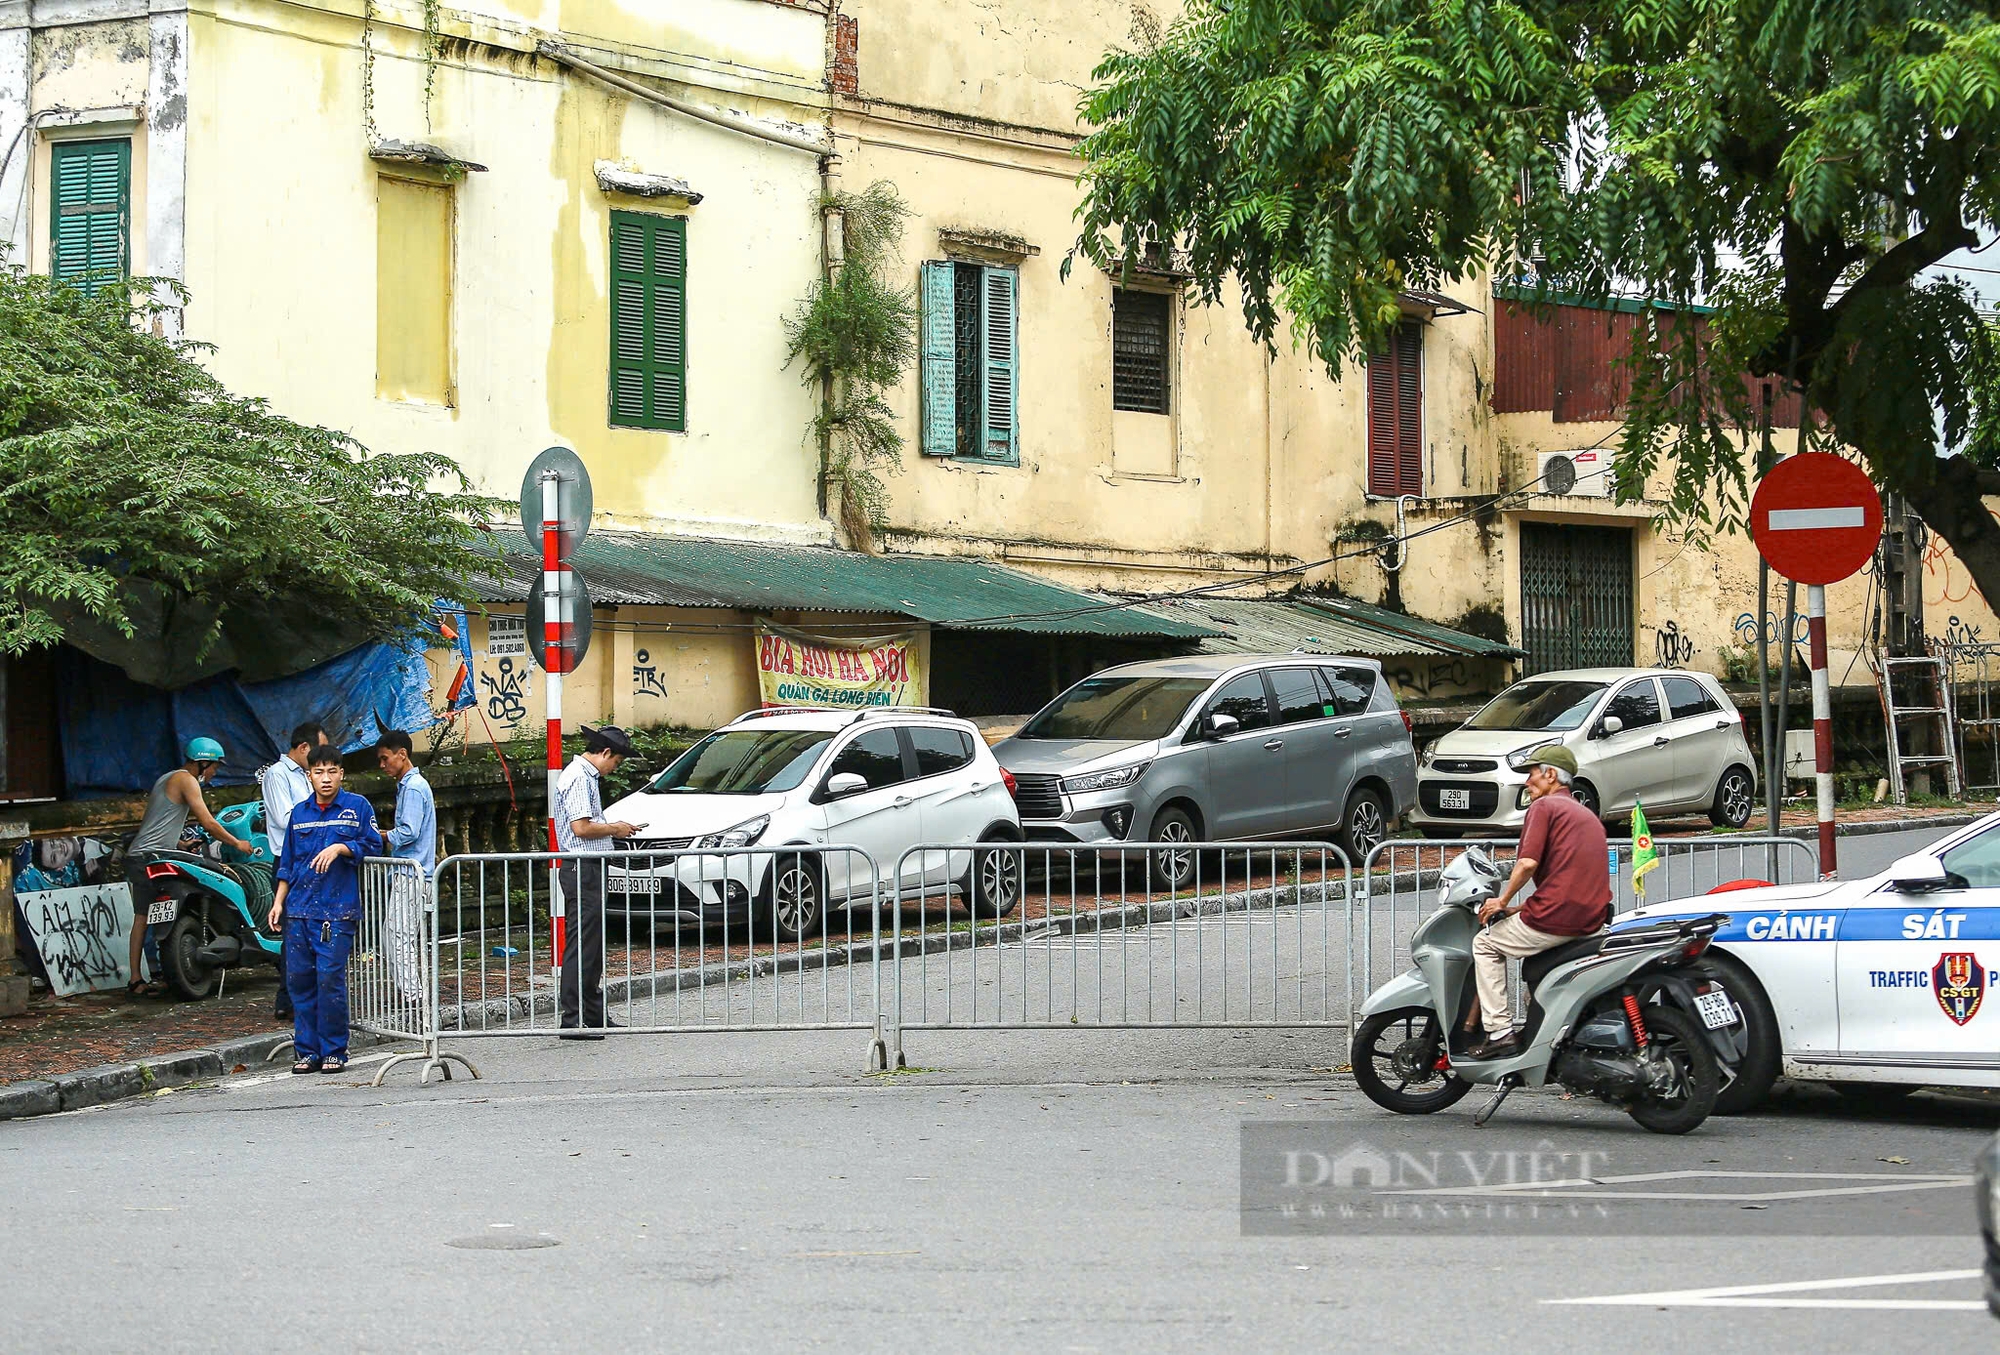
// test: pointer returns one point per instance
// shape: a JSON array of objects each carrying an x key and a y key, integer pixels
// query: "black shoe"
[
  {"x": 1494, "y": 1047},
  {"x": 573, "y": 1034}
]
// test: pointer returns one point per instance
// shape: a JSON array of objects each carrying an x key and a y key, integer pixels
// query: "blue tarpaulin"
[{"x": 118, "y": 735}]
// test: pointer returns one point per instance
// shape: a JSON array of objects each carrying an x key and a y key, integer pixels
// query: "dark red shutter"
[{"x": 1395, "y": 415}]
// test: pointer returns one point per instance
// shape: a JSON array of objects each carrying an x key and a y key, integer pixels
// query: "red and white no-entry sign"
[{"x": 1816, "y": 517}]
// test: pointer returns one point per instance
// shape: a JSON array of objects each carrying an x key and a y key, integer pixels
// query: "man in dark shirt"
[{"x": 1564, "y": 851}]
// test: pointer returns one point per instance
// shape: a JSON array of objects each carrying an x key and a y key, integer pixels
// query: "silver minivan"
[{"x": 1217, "y": 748}]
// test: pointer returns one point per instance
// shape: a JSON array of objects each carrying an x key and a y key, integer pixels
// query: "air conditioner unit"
[{"x": 1582, "y": 475}]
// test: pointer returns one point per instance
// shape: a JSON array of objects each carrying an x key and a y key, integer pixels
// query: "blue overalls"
[{"x": 321, "y": 913}]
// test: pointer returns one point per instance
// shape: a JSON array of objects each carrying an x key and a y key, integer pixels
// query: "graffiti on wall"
[
  {"x": 1746, "y": 628},
  {"x": 506, "y": 692},
  {"x": 1946, "y": 582},
  {"x": 77, "y": 922},
  {"x": 1672, "y": 648},
  {"x": 646, "y": 679},
  {"x": 1422, "y": 679}
]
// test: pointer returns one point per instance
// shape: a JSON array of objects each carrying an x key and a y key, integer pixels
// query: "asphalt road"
[{"x": 1048, "y": 1190}]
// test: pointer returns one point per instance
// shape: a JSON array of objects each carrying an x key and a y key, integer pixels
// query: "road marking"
[
  {"x": 285, "y": 1074},
  {"x": 1807, "y": 519},
  {"x": 1593, "y": 1187},
  {"x": 1763, "y": 1295}
]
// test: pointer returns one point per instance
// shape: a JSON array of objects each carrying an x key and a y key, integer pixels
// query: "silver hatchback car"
[{"x": 1217, "y": 748}]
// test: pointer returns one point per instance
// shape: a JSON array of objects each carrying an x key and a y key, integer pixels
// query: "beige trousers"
[{"x": 1508, "y": 939}]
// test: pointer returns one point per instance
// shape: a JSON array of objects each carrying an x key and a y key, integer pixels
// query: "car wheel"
[
  {"x": 795, "y": 896},
  {"x": 1586, "y": 795},
  {"x": 1734, "y": 800},
  {"x": 1363, "y": 826},
  {"x": 994, "y": 883},
  {"x": 1172, "y": 868},
  {"x": 1763, "y": 1047}
]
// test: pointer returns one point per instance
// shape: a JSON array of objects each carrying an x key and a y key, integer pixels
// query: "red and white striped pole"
[
  {"x": 1822, "y": 698},
  {"x": 555, "y": 659}
]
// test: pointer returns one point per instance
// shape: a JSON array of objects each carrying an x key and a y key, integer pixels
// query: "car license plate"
[
  {"x": 162, "y": 910},
  {"x": 1456, "y": 797},
  {"x": 634, "y": 884},
  {"x": 1717, "y": 1011}
]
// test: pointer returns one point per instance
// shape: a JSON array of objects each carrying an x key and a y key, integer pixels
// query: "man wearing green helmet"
[{"x": 174, "y": 796}]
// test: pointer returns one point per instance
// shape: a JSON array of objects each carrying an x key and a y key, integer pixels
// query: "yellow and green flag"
[{"x": 1644, "y": 854}]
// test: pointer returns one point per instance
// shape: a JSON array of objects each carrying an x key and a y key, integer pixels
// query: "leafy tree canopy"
[
  {"x": 153, "y": 518},
  {"x": 1796, "y": 164}
]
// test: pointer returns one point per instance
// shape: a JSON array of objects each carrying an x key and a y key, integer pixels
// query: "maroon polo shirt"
[{"x": 1572, "y": 866}]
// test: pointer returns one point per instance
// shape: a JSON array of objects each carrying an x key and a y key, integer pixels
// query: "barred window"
[{"x": 1141, "y": 351}]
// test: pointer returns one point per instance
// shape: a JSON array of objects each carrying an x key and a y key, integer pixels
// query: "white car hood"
[
  {"x": 1757, "y": 900},
  {"x": 678, "y": 816},
  {"x": 1491, "y": 742}
]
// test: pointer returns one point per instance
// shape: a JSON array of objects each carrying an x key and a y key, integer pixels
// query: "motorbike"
[
  {"x": 215, "y": 904},
  {"x": 1628, "y": 1016}
]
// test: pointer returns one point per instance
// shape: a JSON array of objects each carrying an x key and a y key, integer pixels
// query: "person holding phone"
[{"x": 584, "y": 839}]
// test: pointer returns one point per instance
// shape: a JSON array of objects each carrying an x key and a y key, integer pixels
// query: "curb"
[
  {"x": 1884, "y": 826},
  {"x": 110, "y": 1082}
]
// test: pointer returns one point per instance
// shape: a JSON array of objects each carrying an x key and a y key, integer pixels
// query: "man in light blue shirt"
[{"x": 412, "y": 838}]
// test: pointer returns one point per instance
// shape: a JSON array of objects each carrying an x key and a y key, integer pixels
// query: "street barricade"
[
  {"x": 392, "y": 970},
  {"x": 682, "y": 938},
  {"x": 1097, "y": 937},
  {"x": 1396, "y": 888}
]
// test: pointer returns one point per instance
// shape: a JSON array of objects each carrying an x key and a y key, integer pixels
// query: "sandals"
[
  {"x": 333, "y": 1066},
  {"x": 145, "y": 988},
  {"x": 307, "y": 1066}
]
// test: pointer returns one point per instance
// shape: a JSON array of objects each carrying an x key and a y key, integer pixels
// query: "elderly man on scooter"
[{"x": 1564, "y": 851}]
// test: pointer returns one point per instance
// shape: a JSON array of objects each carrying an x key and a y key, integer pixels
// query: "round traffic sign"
[
  {"x": 1816, "y": 517},
  {"x": 572, "y": 622},
  {"x": 573, "y": 501}
]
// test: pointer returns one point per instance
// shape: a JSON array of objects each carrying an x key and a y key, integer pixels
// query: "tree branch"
[{"x": 1910, "y": 257}]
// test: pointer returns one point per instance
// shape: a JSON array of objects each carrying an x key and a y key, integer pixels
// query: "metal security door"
[{"x": 1576, "y": 597}]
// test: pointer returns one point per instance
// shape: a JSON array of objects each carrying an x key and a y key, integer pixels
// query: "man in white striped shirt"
[{"x": 582, "y": 834}]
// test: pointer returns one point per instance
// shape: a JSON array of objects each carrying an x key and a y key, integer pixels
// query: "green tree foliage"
[
  {"x": 140, "y": 500},
  {"x": 855, "y": 336},
  {"x": 1796, "y": 164}
]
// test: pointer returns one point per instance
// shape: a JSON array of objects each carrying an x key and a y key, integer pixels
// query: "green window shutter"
[
  {"x": 90, "y": 210},
  {"x": 648, "y": 322},
  {"x": 1000, "y": 367},
  {"x": 940, "y": 366}
]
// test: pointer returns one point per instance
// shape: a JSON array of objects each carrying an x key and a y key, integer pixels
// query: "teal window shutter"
[
  {"x": 648, "y": 322},
  {"x": 940, "y": 365},
  {"x": 1000, "y": 367},
  {"x": 90, "y": 212}
]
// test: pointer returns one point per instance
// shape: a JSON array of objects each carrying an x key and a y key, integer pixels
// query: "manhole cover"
[{"x": 503, "y": 1239}]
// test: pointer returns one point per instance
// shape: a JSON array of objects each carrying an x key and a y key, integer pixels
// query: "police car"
[{"x": 1876, "y": 986}]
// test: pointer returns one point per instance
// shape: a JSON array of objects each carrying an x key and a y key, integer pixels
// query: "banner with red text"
[{"x": 797, "y": 669}]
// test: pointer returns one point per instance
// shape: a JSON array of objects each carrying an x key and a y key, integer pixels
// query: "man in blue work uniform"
[
  {"x": 319, "y": 902},
  {"x": 285, "y": 788},
  {"x": 413, "y": 837}
]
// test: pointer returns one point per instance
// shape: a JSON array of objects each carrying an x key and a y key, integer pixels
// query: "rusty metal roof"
[
  {"x": 647, "y": 569},
  {"x": 1322, "y": 626}
]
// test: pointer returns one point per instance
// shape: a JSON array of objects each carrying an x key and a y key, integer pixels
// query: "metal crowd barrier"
[
  {"x": 682, "y": 939},
  {"x": 1098, "y": 937},
  {"x": 392, "y": 982},
  {"x": 1397, "y": 886}
]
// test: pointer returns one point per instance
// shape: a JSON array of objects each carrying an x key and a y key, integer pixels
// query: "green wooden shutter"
[
  {"x": 90, "y": 208},
  {"x": 940, "y": 365},
  {"x": 999, "y": 366},
  {"x": 648, "y": 322}
]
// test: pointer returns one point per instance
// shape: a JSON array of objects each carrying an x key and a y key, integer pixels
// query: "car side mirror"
[
  {"x": 1608, "y": 726},
  {"x": 1220, "y": 725},
  {"x": 1917, "y": 874},
  {"x": 845, "y": 783}
]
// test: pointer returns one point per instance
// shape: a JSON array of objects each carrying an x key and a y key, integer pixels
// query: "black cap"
[{"x": 609, "y": 739}]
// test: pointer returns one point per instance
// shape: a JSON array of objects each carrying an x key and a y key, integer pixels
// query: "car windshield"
[
  {"x": 1539, "y": 705},
  {"x": 1132, "y": 708},
  {"x": 744, "y": 762}
]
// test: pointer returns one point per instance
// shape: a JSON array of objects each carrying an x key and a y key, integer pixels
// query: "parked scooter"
[
  {"x": 217, "y": 903},
  {"x": 1626, "y": 1016}
]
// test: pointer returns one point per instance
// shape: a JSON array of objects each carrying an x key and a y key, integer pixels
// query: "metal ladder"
[{"x": 1931, "y": 700}]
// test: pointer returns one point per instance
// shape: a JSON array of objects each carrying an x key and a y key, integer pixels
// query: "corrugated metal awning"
[
  {"x": 1322, "y": 626},
  {"x": 645, "y": 569}
]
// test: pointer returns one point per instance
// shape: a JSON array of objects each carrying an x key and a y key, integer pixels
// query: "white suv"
[{"x": 882, "y": 780}]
